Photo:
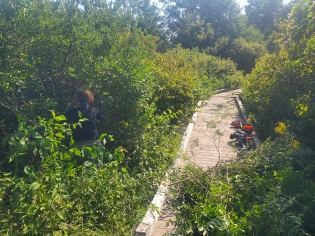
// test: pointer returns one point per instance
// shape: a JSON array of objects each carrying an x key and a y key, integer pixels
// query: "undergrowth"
[
  {"x": 269, "y": 191},
  {"x": 50, "y": 187}
]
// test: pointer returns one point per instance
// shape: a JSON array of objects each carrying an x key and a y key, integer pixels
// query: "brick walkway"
[{"x": 209, "y": 142}]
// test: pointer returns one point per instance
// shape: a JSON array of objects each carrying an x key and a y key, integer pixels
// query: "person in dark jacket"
[{"x": 88, "y": 131}]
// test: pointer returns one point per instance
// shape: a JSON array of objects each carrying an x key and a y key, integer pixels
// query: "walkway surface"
[{"x": 209, "y": 143}]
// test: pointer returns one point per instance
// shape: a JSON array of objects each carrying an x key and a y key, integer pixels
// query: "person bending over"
[{"x": 88, "y": 131}]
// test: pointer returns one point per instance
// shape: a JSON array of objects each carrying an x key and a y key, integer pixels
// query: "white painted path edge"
[
  {"x": 146, "y": 227},
  {"x": 147, "y": 224}
]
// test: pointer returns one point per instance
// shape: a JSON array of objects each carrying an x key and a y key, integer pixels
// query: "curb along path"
[
  {"x": 205, "y": 143},
  {"x": 210, "y": 141}
]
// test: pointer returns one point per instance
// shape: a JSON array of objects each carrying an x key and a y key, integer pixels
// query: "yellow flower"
[
  {"x": 281, "y": 128},
  {"x": 295, "y": 143}
]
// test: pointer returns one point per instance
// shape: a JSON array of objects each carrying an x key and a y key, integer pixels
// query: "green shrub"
[
  {"x": 281, "y": 86},
  {"x": 46, "y": 191},
  {"x": 268, "y": 192},
  {"x": 245, "y": 54},
  {"x": 49, "y": 51}
]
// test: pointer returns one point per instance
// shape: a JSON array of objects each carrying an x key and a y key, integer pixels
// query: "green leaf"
[
  {"x": 87, "y": 163},
  {"x": 55, "y": 154},
  {"x": 60, "y": 118},
  {"x": 25, "y": 229},
  {"x": 28, "y": 169},
  {"x": 5, "y": 219},
  {"x": 37, "y": 135},
  {"x": 103, "y": 136},
  {"x": 43, "y": 187},
  {"x": 53, "y": 113},
  {"x": 71, "y": 142},
  {"x": 110, "y": 156},
  {"x": 83, "y": 119},
  {"x": 45, "y": 143},
  {"x": 66, "y": 156},
  {"x": 11, "y": 155},
  {"x": 59, "y": 135},
  {"x": 61, "y": 215},
  {"x": 4, "y": 140},
  {"x": 75, "y": 151},
  {"x": 119, "y": 157},
  {"x": 34, "y": 185}
]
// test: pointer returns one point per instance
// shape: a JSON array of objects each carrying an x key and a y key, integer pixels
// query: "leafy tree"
[
  {"x": 264, "y": 14},
  {"x": 252, "y": 34},
  {"x": 215, "y": 27},
  {"x": 245, "y": 54},
  {"x": 245, "y": 50},
  {"x": 148, "y": 18},
  {"x": 193, "y": 32},
  {"x": 214, "y": 19}
]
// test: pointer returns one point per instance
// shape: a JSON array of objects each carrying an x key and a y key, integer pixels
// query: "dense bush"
[
  {"x": 193, "y": 76},
  {"x": 281, "y": 88},
  {"x": 48, "y": 186},
  {"x": 54, "y": 50},
  {"x": 245, "y": 54},
  {"x": 49, "y": 51},
  {"x": 271, "y": 190},
  {"x": 268, "y": 192}
]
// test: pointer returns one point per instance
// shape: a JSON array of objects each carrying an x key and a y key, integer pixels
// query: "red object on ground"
[
  {"x": 248, "y": 127},
  {"x": 244, "y": 126},
  {"x": 237, "y": 124}
]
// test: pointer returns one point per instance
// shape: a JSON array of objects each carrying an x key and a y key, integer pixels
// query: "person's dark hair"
[{"x": 85, "y": 98}]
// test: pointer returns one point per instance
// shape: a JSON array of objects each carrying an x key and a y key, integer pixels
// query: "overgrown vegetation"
[
  {"x": 271, "y": 190},
  {"x": 49, "y": 51},
  {"x": 268, "y": 192},
  {"x": 147, "y": 71},
  {"x": 287, "y": 87}
]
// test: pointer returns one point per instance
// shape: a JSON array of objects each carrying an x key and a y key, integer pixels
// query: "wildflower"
[
  {"x": 281, "y": 128},
  {"x": 294, "y": 143}
]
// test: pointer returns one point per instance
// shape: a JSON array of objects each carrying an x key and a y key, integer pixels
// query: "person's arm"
[{"x": 99, "y": 116}]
